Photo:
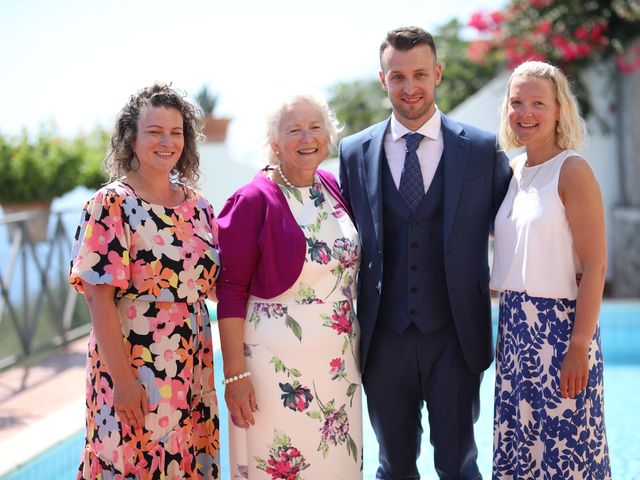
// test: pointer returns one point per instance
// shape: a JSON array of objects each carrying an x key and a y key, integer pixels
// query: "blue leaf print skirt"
[{"x": 537, "y": 433}]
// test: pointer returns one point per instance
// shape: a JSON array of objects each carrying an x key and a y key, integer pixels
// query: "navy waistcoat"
[{"x": 414, "y": 286}]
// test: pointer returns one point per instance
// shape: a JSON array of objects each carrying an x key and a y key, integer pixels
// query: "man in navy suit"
[{"x": 424, "y": 305}]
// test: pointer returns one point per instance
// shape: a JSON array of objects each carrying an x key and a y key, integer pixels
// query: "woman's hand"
[
  {"x": 241, "y": 402},
  {"x": 130, "y": 401},
  {"x": 574, "y": 372},
  {"x": 238, "y": 394}
]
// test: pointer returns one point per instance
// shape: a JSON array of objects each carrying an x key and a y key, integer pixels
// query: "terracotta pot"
[
  {"x": 36, "y": 216},
  {"x": 215, "y": 129}
]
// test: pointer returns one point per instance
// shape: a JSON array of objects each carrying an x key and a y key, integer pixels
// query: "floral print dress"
[
  {"x": 162, "y": 262},
  {"x": 302, "y": 350}
]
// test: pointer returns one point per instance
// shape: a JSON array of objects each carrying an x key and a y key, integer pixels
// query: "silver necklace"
[{"x": 523, "y": 189}]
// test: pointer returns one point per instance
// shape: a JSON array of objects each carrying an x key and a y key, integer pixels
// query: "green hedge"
[{"x": 47, "y": 166}]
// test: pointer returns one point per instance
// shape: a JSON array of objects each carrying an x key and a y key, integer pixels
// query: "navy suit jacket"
[{"x": 476, "y": 177}]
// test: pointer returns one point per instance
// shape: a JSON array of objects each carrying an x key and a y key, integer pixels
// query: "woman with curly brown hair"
[{"x": 146, "y": 258}]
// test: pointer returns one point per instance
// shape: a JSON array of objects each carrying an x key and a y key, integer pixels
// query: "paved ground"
[{"x": 41, "y": 404}]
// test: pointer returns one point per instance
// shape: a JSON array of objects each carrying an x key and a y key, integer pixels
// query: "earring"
[{"x": 134, "y": 164}]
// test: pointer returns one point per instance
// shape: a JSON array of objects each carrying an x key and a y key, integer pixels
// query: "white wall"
[{"x": 221, "y": 176}]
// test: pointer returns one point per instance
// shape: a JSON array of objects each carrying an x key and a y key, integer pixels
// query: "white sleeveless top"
[{"x": 534, "y": 250}]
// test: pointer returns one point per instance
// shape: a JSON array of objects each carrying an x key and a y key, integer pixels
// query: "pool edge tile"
[{"x": 38, "y": 437}]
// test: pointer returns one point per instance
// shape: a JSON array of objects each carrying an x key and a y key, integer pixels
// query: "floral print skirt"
[{"x": 537, "y": 433}]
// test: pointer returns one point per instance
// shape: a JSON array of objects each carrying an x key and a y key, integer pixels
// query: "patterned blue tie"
[{"x": 411, "y": 184}]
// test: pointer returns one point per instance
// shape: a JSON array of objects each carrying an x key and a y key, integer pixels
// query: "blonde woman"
[{"x": 549, "y": 231}]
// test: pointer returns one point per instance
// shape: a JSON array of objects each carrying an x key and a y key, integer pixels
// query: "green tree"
[
  {"x": 359, "y": 104},
  {"x": 461, "y": 76},
  {"x": 92, "y": 148}
]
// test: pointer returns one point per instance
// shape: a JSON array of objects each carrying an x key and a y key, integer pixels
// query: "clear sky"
[{"x": 75, "y": 62}]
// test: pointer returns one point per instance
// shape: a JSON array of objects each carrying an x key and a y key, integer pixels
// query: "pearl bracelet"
[{"x": 229, "y": 380}]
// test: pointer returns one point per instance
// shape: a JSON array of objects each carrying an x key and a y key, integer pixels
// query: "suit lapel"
[
  {"x": 455, "y": 158},
  {"x": 372, "y": 155}
]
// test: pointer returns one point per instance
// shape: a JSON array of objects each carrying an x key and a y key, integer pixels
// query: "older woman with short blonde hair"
[{"x": 289, "y": 335}]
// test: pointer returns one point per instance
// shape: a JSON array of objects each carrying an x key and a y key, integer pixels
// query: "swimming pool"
[{"x": 620, "y": 327}]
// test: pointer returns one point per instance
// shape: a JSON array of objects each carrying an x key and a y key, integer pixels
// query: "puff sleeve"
[{"x": 100, "y": 253}]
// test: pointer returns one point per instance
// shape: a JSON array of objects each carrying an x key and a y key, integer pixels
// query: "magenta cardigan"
[{"x": 262, "y": 248}]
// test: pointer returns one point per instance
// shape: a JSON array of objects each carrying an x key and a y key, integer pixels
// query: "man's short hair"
[{"x": 405, "y": 38}]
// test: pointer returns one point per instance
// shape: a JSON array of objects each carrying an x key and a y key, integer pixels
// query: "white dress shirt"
[{"x": 429, "y": 151}]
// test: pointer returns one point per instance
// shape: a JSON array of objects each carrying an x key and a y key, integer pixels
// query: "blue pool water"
[{"x": 620, "y": 327}]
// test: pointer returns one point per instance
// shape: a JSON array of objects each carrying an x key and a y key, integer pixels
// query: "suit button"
[
  {"x": 413, "y": 311},
  {"x": 414, "y": 290},
  {"x": 414, "y": 268},
  {"x": 414, "y": 223},
  {"x": 414, "y": 245}
]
